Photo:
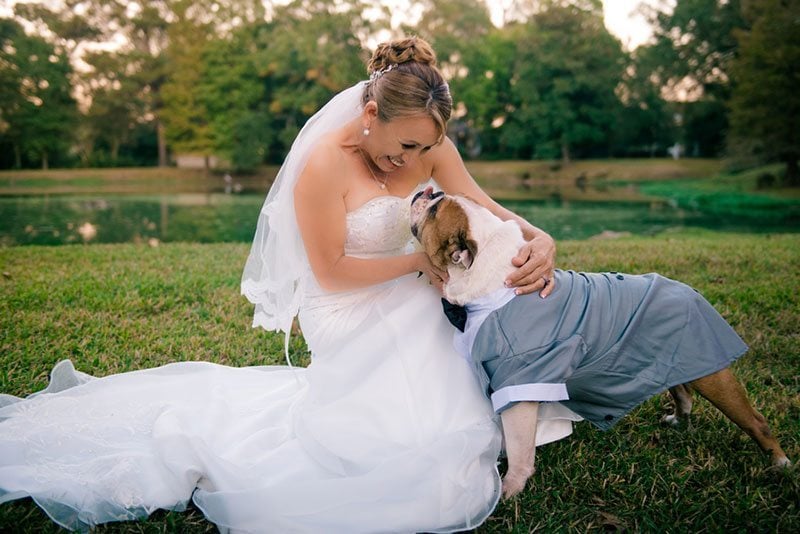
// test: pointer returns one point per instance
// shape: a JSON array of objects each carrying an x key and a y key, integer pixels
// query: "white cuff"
[{"x": 529, "y": 392}]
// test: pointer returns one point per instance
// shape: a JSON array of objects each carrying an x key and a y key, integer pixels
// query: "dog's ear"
[
  {"x": 462, "y": 256},
  {"x": 463, "y": 250}
]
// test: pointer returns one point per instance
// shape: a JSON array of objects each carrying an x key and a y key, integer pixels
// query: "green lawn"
[{"x": 114, "y": 308}]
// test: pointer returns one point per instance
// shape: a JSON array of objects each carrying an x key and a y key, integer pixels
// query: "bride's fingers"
[
  {"x": 550, "y": 284},
  {"x": 526, "y": 278},
  {"x": 544, "y": 284}
]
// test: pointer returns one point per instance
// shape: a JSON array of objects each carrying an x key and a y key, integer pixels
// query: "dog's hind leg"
[
  {"x": 726, "y": 393},
  {"x": 519, "y": 433},
  {"x": 682, "y": 397}
]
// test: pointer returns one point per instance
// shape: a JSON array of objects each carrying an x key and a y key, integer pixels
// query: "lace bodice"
[{"x": 379, "y": 227}]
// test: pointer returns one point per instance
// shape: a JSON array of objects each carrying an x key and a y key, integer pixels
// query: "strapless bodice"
[{"x": 379, "y": 227}]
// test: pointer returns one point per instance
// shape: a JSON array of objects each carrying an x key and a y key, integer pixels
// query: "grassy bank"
[
  {"x": 114, "y": 308},
  {"x": 503, "y": 179}
]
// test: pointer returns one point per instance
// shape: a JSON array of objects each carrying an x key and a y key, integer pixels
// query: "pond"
[{"x": 220, "y": 217}]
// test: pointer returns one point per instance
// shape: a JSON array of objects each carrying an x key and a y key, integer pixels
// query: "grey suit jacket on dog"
[{"x": 601, "y": 343}]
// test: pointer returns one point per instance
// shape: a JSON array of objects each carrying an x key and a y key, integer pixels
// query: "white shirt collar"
[{"x": 477, "y": 312}]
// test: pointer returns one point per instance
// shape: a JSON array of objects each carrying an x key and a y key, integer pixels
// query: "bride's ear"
[{"x": 370, "y": 112}]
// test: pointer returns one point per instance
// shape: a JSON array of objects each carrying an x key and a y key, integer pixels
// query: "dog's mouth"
[
  {"x": 423, "y": 205},
  {"x": 427, "y": 194}
]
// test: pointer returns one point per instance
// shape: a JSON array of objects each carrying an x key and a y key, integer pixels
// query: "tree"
[
  {"x": 116, "y": 108},
  {"x": 567, "y": 67},
  {"x": 145, "y": 30},
  {"x": 645, "y": 126},
  {"x": 234, "y": 95},
  {"x": 184, "y": 116},
  {"x": 37, "y": 112},
  {"x": 695, "y": 46},
  {"x": 765, "y": 106},
  {"x": 452, "y": 27},
  {"x": 312, "y": 54},
  {"x": 484, "y": 98},
  {"x": 690, "y": 60}
]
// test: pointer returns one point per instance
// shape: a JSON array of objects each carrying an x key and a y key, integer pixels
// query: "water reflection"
[
  {"x": 217, "y": 217},
  {"x": 56, "y": 220}
]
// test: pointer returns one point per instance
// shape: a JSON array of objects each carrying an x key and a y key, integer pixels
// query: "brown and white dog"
[{"x": 475, "y": 248}]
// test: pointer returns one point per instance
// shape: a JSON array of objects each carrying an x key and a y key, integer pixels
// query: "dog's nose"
[{"x": 426, "y": 193}]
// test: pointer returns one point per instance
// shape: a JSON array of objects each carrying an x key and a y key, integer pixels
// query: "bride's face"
[{"x": 393, "y": 145}]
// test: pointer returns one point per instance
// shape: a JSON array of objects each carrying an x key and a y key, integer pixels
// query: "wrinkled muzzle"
[{"x": 421, "y": 205}]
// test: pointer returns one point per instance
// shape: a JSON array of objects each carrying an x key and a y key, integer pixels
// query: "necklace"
[{"x": 381, "y": 184}]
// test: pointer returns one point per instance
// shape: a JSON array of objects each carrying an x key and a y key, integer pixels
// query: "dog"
[{"x": 596, "y": 347}]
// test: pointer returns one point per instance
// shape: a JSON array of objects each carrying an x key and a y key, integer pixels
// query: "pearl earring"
[{"x": 366, "y": 131}]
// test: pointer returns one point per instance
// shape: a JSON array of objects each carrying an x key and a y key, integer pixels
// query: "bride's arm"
[
  {"x": 321, "y": 216},
  {"x": 536, "y": 259}
]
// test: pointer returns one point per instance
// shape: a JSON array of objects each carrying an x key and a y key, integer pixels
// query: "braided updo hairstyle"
[{"x": 405, "y": 82}]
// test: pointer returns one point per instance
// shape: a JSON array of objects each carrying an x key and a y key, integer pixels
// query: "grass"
[{"x": 115, "y": 308}]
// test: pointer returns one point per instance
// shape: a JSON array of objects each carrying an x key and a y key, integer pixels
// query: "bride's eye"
[{"x": 407, "y": 146}]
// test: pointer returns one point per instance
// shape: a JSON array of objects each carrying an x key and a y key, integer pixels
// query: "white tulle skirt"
[{"x": 386, "y": 431}]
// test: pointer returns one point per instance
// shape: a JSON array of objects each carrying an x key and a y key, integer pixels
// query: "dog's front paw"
[{"x": 514, "y": 483}]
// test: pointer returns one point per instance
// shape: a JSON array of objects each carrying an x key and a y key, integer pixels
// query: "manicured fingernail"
[{"x": 507, "y": 283}]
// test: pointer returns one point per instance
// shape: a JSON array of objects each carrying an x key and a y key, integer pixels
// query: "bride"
[{"x": 385, "y": 431}]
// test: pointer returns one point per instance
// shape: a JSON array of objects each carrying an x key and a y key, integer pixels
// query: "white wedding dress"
[{"x": 385, "y": 431}]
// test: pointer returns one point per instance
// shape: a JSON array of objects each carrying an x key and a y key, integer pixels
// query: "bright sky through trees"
[{"x": 620, "y": 18}]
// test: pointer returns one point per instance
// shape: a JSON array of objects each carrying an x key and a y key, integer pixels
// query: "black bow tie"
[{"x": 457, "y": 315}]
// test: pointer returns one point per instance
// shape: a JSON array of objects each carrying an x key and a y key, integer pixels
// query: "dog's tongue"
[{"x": 428, "y": 191}]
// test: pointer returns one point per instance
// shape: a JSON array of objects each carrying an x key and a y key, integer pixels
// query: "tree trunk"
[
  {"x": 45, "y": 164},
  {"x": 792, "y": 173},
  {"x": 17, "y": 157},
  {"x": 114, "y": 150},
  {"x": 564, "y": 151},
  {"x": 162, "y": 144}
]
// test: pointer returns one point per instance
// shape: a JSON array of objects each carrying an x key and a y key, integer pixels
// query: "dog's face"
[{"x": 441, "y": 224}]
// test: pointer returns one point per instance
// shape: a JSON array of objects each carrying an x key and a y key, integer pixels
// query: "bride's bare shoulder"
[
  {"x": 326, "y": 157},
  {"x": 325, "y": 165}
]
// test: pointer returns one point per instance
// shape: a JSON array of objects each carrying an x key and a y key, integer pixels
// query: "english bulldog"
[{"x": 599, "y": 345}]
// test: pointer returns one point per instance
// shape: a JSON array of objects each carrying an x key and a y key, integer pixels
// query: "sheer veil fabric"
[
  {"x": 386, "y": 430},
  {"x": 273, "y": 274}
]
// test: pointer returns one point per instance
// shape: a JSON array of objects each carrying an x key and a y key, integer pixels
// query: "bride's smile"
[{"x": 395, "y": 144}]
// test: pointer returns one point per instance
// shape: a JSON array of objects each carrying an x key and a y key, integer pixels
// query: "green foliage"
[
  {"x": 690, "y": 63},
  {"x": 36, "y": 109},
  {"x": 311, "y": 55},
  {"x": 545, "y": 87},
  {"x": 185, "y": 118},
  {"x": 261, "y": 84},
  {"x": 238, "y": 79},
  {"x": 766, "y": 105},
  {"x": 695, "y": 45},
  {"x": 234, "y": 95},
  {"x": 566, "y": 94}
]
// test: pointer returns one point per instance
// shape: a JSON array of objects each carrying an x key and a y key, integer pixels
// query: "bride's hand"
[
  {"x": 536, "y": 261},
  {"x": 436, "y": 276}
]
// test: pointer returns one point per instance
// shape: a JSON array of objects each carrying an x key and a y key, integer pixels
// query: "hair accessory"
[{"x": 378, "y": 73}]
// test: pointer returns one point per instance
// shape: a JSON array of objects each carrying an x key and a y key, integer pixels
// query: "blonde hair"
[{"x": 405, "y": 82}]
